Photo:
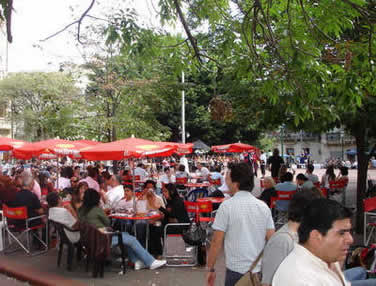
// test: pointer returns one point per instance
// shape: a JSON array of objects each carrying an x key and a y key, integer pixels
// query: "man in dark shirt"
[
  {"x": 275, "y": 161},
  {"x": 28, "y": 199}
]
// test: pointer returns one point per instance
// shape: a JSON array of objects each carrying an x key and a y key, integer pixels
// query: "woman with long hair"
[
  {"x": 77, "y": 198},
  {"x": 328, "y": 176},
  {"x": 91, "y": 213}
]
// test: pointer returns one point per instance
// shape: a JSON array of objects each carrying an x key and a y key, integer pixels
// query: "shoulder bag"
[{"x": 249, "y": 278}]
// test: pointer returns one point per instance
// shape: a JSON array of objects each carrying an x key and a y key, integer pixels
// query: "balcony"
[{"x": 335, "y": 139}]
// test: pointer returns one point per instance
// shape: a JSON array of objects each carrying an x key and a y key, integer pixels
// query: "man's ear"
[{"x": 315, "y": 237}]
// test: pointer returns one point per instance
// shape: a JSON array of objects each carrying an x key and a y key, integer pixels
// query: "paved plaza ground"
[{"x": 44, "y": 266}]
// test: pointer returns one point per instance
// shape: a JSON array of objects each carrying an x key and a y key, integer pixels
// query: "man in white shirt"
[
  {"x": 167, "y": 177},
  {"x": 204, "y": 172},
  {"x": 61, "y": 215},
  {"x": 114, "y": 195},
  {"x": 242, "y": 224},
  {"x": 309, "y": 174},
  {"x": 324, "y": 240},
  {"x": 140, "y": 171}
]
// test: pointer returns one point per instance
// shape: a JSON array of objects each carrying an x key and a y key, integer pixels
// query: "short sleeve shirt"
[
  {"x": 63, "y": 216},
  {"x": 245, "y": 220}
]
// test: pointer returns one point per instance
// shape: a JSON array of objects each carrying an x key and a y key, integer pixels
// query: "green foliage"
[{"x": 43, "y": 102}]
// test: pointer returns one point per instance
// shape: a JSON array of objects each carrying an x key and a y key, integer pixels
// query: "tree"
[
  {"x": 43, "y": 102},
  {"x": 298, "y": 58}
]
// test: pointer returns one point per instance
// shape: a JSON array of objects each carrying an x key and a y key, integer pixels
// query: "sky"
[{"x": 37, "y": 19}]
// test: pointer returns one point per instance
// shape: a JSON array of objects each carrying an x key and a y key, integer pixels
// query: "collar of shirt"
[{"x": 242, "y": 194}]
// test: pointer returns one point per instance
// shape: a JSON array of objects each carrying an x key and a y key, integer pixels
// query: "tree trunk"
[{"x": 362, "y": 148}]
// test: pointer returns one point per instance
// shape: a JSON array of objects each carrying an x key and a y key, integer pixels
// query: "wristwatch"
[{"x": 211, "y": 269}]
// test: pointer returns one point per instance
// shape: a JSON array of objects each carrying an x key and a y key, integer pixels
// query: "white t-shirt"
[
  {"x": 166, "y": 180},
  {"x": 125, "y": 205},
  {"x": 301, "y": 267},
  {"x": 204, "y": 173},
  {"x": 63, "y": 216},
  {"x": 114, "y": 196},
  {"x": 62, "y": 183},
  {"x": 36, "y": 190},
  {"x": 141, "y": 172}
]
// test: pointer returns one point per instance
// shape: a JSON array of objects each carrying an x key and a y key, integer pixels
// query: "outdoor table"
[
  {"x": 197, "y": 185},
  {"x": 214, "y": 200},
  {"x": 147, "y": 218}
]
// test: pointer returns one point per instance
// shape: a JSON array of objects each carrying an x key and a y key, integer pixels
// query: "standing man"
[
  {"x": 324, "y": 240},
  {"x": 274, "y": 163},
  {"x": 243, "y": 224},
  {"x": 262, "y": 163}
]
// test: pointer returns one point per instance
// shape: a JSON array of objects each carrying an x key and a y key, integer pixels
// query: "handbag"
[
  {"x": 249, "y": 278},
  {"x": 194, "y": 235}
]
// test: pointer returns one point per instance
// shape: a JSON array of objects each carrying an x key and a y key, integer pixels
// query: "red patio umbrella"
[
  {"x": 58, "y": 147},
  {"x": 7, "y": 144},
  {"x": 182, "y": 148},
  {"x": 234, "y": 148},
  {"x": 127, "y": 148}
]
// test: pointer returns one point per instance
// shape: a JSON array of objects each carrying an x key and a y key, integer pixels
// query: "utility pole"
[{"x": 182, "y": 110}]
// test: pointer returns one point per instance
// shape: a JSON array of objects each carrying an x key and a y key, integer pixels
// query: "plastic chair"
[
  {"x": 280, "y": 215},
  {"x": 369, "y": 206},
  {"x": 207, "y": 209},
  {"x": 180, "y": 182},
  {"x": 188, "y": 258},
  {"x": 17, "y": 225},
  {"x": 64, "y": 240},
  {"x": 196, "y": 194}
]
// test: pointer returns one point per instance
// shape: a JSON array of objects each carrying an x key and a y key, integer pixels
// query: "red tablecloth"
[
  {"x": 213, "y": 200},
  {"x": 197, "y": 185}
]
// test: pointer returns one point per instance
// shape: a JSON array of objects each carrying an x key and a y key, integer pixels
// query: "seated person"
[
  {"x": 309, "y": 174},
  {"x": 167, "y": 177},
  {"x": 127, "y": 203},
  {"x": 91, "y": 213},
  {"x": 114, "y": 194},
  {"x": 286, "y": 186},
  {"x": 25, "y": 198},
  {"x": 77, "y": 198},
  {"x": 303, "y": 183},
  {"x": 343, "y": 175},
  {"x": 175, "y": 211},
  {"x": 215, "y": 175},
  {"x": 269, "y": 190},
  {"x": 181, "y": 173},
  {"x": 61, "y": 215}
]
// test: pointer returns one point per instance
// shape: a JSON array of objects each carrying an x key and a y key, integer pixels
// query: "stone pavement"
[{"x": 44, "y": 268}]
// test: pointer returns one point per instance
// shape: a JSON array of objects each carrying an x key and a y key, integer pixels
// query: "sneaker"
[
  {"x": 157, "y": 263},
  {"x": 138, "y": 265}
]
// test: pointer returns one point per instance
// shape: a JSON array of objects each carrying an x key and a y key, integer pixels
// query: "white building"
[{"x": 321, "y": 147}]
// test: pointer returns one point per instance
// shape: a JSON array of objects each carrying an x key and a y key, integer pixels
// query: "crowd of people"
[{"x": 307, "y": 250}]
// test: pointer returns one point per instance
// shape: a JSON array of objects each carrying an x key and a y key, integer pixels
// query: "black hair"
[
  {"x": 301, "y": 177},
  {"x": 344, "y": 171},
  {"x": 310, "y": 168},
  {"x": 173, "y": 193},
  {"x": 92, "y": 171},
  {"x": 165, "y": 169},
  {"x": 91, "y": 199},
  {"x": 181, "y": 168},
  {"x": 320, "y": 215},
  {"x": 330, "y": 173},
  {"x": 300, "y": 201},
  {"x": 288, "y": 177},
  {"x": 242, "y": 173},
  {"x": 150, "y": 182},
  {"x": 77, "y": 167},
  {"x": 275, "y": 152},
  {"x": 53, "y": 199}
]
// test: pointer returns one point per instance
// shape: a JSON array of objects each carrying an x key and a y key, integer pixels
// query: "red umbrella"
[
  {"x": 7, "y": 144},
  {"x": 127, "y": 148},
  {"x": 234, "y": 148},
  {"x": 88, "y": 142},
  {"x": 58, "y": 147},
  {"x": 182, "y": 149}
]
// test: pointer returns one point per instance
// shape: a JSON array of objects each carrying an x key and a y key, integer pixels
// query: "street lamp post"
[
  {"x": 182, "y": 110},
  {"x": 282, "y": 135},
  {"x": 342, "y": 135}
]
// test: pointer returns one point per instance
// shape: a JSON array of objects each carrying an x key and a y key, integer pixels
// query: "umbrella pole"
[
  {"x": 57, "y": 171},
  {"x": 134, "y": 189}
]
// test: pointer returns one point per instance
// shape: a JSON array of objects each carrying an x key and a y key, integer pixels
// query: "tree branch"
[
  {"x": 192, "y": 39},
  {"x": 78, "y": 21}
]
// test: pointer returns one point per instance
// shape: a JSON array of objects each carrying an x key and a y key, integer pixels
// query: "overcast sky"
[{"x": 37, "y": 19}]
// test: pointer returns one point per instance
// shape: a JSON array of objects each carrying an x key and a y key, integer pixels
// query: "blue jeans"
[
  {"x": 358, "y": 277},
  {"x": 135, "y": 249},
  {"x": 232, "y": 277}
]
